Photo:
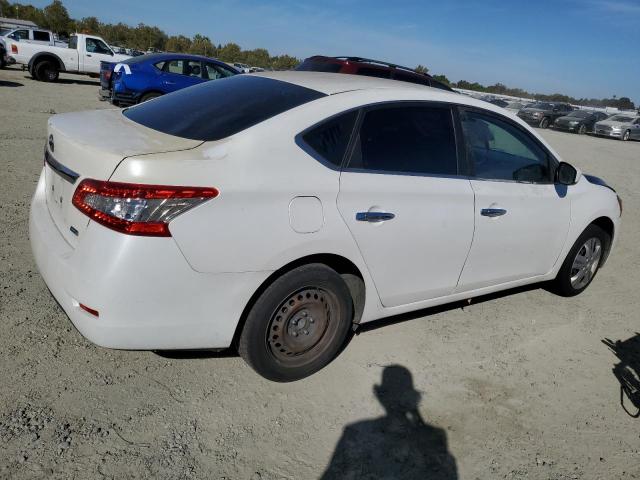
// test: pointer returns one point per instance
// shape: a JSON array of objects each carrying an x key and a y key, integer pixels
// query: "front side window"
[
  {"x": 20, "y": 35},
  {"x": 40, "y": 36},
  {"x": 330, "y": 139},
  {"x": 93, "y": 45},
  {"x": 407, "y": 139},
  {"x": 501, "y": 151}
]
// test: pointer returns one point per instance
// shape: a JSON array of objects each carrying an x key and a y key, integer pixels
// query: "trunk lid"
[{"x": 91, "y": 145}]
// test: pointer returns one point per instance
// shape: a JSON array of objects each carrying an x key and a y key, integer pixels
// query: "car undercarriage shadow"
[
  {"x": 627, "y": 371},
  {"x": 7, "y": 83},
  {"x": 73, "y": 81},
  {"x": 369, "y": 326}
]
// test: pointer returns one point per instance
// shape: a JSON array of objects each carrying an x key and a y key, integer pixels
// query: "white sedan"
[{"x": 275, "y": 212}]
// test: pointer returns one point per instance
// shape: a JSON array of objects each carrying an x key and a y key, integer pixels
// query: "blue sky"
[{"x": 584, "y": 48}]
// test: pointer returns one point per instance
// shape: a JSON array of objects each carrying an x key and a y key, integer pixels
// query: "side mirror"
[{"x": 566, "y": 174}]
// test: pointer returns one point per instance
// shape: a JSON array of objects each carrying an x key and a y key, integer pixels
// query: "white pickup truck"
[{"x": 45, "y": 62}]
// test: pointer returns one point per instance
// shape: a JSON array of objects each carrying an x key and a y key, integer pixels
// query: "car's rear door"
[
  {"x": 521, "y": 216},
  {"x": 181, "y": 73},
  {"x": 407, "y": 208}
]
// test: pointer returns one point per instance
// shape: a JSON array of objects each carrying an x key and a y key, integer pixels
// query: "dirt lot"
[{"x": 517, "y": 386}]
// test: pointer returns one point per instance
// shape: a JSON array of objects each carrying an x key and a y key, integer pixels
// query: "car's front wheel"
[
  {"x": 298, "y": 324},
  {"x": 626, "y": 135},
  {"x": 582, "y": 130},
  {"x": 582, "y": 262},
  {"x": 544, "y": 123}
]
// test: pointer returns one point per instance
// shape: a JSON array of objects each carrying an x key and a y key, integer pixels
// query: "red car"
[{"x": 370, "y": 68}]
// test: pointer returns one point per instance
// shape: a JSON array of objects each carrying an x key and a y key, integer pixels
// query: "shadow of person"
[
  {"x": 399, "y": 445},
  {"x": 627, "y": 371}
]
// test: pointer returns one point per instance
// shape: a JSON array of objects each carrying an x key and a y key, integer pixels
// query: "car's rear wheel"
[
  {"x": 298, "y": 324},
  {"x": 544, "y": 123},
  {"x": 583, "y": 261},
  {"x": 582, "y": 130},
  {"x": 46, "y": 71},
  {"x": 149, "y": 96},
  {"x": 626, "y": 135}
]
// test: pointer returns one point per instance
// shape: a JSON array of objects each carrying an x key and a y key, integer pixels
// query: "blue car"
[{"x": 148, "y": 76}]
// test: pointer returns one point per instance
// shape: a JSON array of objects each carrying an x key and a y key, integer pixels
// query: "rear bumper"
[
  {"x": 147, "y": 295},
  {"x": 124, "y": 99}
]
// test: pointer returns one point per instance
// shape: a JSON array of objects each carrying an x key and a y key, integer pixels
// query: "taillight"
[
  {"x": 14, "y": 48},
  {"x": 137, "y": 209}
]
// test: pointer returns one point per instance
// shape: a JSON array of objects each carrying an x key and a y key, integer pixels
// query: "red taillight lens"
[
  {"x": 137, "y": 209},
  {"x": 90, "y": 310},
  {"x": 14, "y": 48}
]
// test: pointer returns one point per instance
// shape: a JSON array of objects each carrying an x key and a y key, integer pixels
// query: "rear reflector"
[
  {"x": 89, "y": 310},
  {"x": 137, "y": 209}
]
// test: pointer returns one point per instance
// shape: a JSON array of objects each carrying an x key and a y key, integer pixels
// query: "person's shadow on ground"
[
  {"x": 399, "y": 445},
  {"x": 627, "y": 371}
]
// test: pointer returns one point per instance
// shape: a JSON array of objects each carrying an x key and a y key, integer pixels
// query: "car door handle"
[
  {"x": 88, "y": 54},
  {"x": 492, "y": 212},
  {"x": 374, "y": 216},
  {"x": 167, "y": 82}
]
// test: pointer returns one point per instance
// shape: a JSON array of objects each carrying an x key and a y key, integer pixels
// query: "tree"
[
  {"x": 179, "y": 44},
  {"x": 442, "y": 79},
  {"x": 56, "y": 17},
  {"x": 89, "y": 25},
  {"x": 421, "y": 69},
  {"x": 231, "y": 52},
  {"x": 201, "y": 45},
  {"x": 284, "y": 62}
]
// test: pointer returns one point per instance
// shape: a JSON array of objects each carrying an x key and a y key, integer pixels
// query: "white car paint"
[
  {"x": 277, "y": 205},
  {"x": 74, "y": 60}
]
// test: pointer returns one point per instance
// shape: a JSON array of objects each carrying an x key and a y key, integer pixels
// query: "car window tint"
[
  {"x": 21, "y": 35},
  {"x": 214, "y": 72},
  {"x": 73, "y": 43},
  {"x": 174, "y": 66},
  {"x": 374, "y": 72},
  {"x": 193, "y": 68},
  {"x": 501, "y": 151},
  {"x": 216, "y": 110},
  {"x": 406, "y": 77},
  {"x": 406, "y": 139},
  {"x": 319, "y": 66},
  {"x": 330, "y": 139},
  {"x": 41, "y": 36}
]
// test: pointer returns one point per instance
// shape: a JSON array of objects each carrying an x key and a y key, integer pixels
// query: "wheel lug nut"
[
  {"x": 306, "y": 332},
  {"x": 311, "y": 320},
  {"x": 294, "y": 334},
  {"x": 305, "y": 314}
]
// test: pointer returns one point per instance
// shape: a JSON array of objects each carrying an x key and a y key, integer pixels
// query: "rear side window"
[
  {"x": 216, "y": 110},
  {"x": 407, "y": 139},
  {"x": 41, "y": 36},
  {"x": 330, "y": 139},
  {"x": 73, "y": 42},
  {"x": 405, "y": 77}
]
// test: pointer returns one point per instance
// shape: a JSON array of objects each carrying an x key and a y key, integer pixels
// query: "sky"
[{"x": 583, "y": 48}]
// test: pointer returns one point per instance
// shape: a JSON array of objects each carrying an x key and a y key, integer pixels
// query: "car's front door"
[
  {"x": 521, "y": 216},
  {"x": 96, "y": 51},
  {"x": 409, "y": 212}
]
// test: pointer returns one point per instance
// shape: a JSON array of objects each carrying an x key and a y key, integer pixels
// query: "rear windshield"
[
  {"x": 319, "y": 66},
  {"x": 216, "y": 110}
]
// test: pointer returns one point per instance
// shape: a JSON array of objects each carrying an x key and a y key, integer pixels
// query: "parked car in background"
[
  {"x": 3, "y": 55},
  {"x": 622, "y": 126},
  {"x": 579, "y": 121},
  {"x": 37, "y": 36},
  {"x": 498, "y": 102},
  {"x": 515, "y": 106},
  {"x": 543, "y": 114},
  {"x": 242, "y": 67},
  {"x": 142, "y": 78},
  {"x": 369, "y": 68},
  {"x": 278, "y": 211},
  {"x": 45, "y": 62}
]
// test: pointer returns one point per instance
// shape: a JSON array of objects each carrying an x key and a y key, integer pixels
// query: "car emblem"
[{"x": 51, "y": 144}]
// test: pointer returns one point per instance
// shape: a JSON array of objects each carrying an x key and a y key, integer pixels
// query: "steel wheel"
[
  {"x": 301, "y": 324},
  {"x": 586, "y": 262}
]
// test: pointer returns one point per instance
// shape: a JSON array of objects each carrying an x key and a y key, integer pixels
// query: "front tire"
[
  {"x": 46, "y": 71},
  {"x": 298, "y": 324},
  {"x": 544, "y": 123},
  {"x": 582, "y": 130},
  {"x": 583, "y": 261},
  {"x": 626, "y": 135}
]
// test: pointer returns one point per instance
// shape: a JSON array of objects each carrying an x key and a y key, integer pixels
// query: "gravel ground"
[{"x": 516, "y": 386}]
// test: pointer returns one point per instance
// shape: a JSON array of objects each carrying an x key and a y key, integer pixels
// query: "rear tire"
[
  {"x": 583, "y": 262},
  {"x": 46, "y": 71},
  {"x": 149, "y": 96},
  {"x": 298, "y": 324},
  {"x": 544, "y": 123}
]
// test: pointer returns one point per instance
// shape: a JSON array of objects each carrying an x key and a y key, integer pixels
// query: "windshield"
[
  {"x": 620, "y": 118},
  {"x": 541, "y": 106},
  {"x": 4, "y": 31},
  {"x": 216, "y": 110},
  {"x": 580, "y": 114}
]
